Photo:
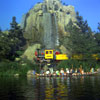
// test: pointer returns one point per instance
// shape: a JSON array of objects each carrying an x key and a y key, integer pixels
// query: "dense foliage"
[
  {"x": 74, "y": 63},
  {"x": 12, "y": 43},
  {"x": 5, "y": 44},
  {"x": 82, "y": 43},
  {"x": 81, "y": 39},
  {"x": 16, "y": 37},
  {"x": 8, "y": 68}
]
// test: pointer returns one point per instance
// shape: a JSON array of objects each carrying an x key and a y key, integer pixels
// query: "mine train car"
[
  {"x": 49, "y": 55},
  {"x": 80, "y": 57}
]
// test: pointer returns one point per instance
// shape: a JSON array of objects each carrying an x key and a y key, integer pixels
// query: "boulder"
[
  {"x": 98, "y": 70},
  {"x": 31, "y": 73},
  {"x": 64, "y": 50},
  {"x": 29, "y": 53}
]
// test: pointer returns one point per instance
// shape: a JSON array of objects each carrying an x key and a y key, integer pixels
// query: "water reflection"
[
  {"x": 49, "y": 88},
  {"x": 55, "y": 88}
]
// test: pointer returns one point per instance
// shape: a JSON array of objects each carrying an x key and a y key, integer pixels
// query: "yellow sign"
[
  {"x": 61, "y": 57},
  {"x": 48, "y": 54}
]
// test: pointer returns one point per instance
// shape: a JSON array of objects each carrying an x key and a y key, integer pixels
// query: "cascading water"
[
  {"x": 48, "y": 35},
  {"x": 51, "y": 37},
  {"x": 56, "y": 28}
]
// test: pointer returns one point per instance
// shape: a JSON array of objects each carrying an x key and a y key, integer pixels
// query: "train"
[
  {"x": 49, "y": 55},
  {"x": 52, "y": 56}
]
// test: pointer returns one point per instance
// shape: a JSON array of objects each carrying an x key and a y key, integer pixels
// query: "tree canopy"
[
  {"x": 81, "y": 39},
  {"x": 12, "y": 42}
]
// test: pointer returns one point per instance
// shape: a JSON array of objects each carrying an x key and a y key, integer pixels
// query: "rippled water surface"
[{"x": 60, "y": 88}]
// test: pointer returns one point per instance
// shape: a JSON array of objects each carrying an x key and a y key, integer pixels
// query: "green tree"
[
  {"x": 4, "y": 46},
  {"x": 78, "y": 42},
  {"x": 97, "y": 38},
  {"x": 83, "y": 25},
  {"x": 0, "y": 30},
  {"x": 16, "y": 37},
  {"x": 98, "y": 27}
]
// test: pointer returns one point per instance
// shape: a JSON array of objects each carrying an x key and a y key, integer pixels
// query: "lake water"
[{"x": 60, "y": 88}]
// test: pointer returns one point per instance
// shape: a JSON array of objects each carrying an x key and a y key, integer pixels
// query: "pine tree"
[
  {"x": 79, "y": 42},
  {"x": 83, "y": 25},
  {"x": 16, "y": 37},
  {"x": 98, "y": 27},
  {"x": 97, "y": 38},
  {"x": 0, "y": 30}
]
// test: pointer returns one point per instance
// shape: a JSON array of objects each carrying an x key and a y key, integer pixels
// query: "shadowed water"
[{"x": 60, "y": 88}]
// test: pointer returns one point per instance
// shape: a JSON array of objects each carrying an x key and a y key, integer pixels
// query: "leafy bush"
[
  {"x": 11, "y": 68},
  {"x": 86, "y": 65}
]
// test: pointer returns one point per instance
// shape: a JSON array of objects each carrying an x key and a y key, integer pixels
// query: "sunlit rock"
[
  {"x": 34, "y": 25},
  {"x": 30, "y": 51}
]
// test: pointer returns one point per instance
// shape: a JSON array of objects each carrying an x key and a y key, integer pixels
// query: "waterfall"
[
  {"x": 51, "y": 36},
  {"x": 48, "y": 35},
  {"x": 44, "y": 8},
  {"x": 23, "y": 22},
  {"x": 56, "y": 28}
]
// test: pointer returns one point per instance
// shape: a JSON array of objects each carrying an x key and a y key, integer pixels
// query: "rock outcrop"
[
  {"x": 30, "y": 51},
  {"x": 33, "y": 21},
  {"x": 45, "y": 24}
]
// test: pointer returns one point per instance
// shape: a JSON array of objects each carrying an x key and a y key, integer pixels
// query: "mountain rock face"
[
  {"x": 46, "y": 21},
  {"x": 44, "y": 25}
]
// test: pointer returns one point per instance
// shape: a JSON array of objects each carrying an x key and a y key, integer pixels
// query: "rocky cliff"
[
  {"x": 45, "y": 23},
  {"x": 33, "y": 21}
]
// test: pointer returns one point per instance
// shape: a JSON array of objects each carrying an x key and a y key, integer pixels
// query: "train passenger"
[
  {"x": 67, "y": 71},
  {"x": 81, "y": 70},
  {"x": 47, "y": 72},
  {"x": 57, "y": 72},
  {"x": 71, "y": 71},
  {"x": 62, "y": 72},
  {"x": 76, "y": 72},
  {"x": 92, "y": 70},
  {"x": 51, "y": 70},
  {"x": 42, "y": 72},
  {"x": 34, "y": 72},
  {"x": 54, "y": 73}
]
